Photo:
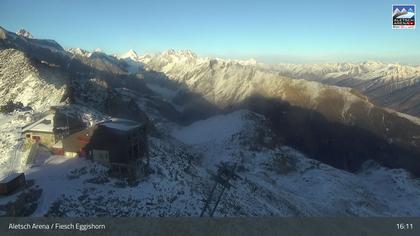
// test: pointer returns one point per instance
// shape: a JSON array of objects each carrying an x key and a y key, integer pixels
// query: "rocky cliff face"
[
  {"x": 31, "y": 82},
  {"x": 229, "y": 84},
  {"x": 25, "y": 33}
]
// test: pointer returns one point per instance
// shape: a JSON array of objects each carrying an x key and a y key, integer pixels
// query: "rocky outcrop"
[
  {"x": 25, "y": 33},
  {"x": 28, "y": 81}
]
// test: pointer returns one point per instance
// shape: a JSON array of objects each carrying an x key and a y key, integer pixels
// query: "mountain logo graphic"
[{"x": 403, "y": 16}]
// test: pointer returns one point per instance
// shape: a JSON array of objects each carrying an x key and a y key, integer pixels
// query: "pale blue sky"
[{"x": 270, "y": 31}]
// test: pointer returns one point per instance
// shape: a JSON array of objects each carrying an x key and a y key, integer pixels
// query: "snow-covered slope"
[
  {"x": 393, "y": 85},
  {"x": 99, "y": 60},
  {"x": 35, "y": 81},
  {"x": 35, "y": 84},
  {"x": 217, "y": 128},
  {"x": 282, "y": 181},
  {"x": 11, "y": 157},
  {"x": 275, "y": 181},
  {"x": 215, "y": 84},
  {"x": 186, "y": 147},
  {"x": 378, "y": 80},
  {"x": 225, "y": 83}
]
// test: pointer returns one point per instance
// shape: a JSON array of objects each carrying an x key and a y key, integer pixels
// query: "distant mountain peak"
[
  {"x": 169, "y": 52},
  {"x": 25, "y": 33},
  {"x": 179, "y": 53},
  {"x": 131, "y": 54},
  {"x": 131, "y": 51},
  {"x": 79, "y": 52},
  {"x": 248, "y": 62}
]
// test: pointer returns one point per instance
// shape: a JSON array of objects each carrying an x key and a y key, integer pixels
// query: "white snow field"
[{"x": 278, "y": 181}]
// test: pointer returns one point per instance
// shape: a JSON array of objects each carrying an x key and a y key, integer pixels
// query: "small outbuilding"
[
  {"x": 56, "y": 131},
  {"x": 12, "y": 182},
  {"x": 41, "y": 131}
]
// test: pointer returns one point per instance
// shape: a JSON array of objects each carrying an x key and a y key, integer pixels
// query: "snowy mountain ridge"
[
  {"x": 79, "y": 52},
  {"x": 392, "y": 85},
  {"x": 389, "y": 84},
  {"x": 285, "y": 136},
  {"x": 131, "y": 54},
  {"x": 25, "y": 33},
  {"x": 228, "y": 85},
  {"x": 391, "y": 72}
]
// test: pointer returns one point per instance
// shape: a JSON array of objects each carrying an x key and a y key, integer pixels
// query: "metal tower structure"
[{"x": 225, "y": 173}]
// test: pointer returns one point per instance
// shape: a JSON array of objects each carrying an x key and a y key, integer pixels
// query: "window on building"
[{"x": 47, "y": 122}]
